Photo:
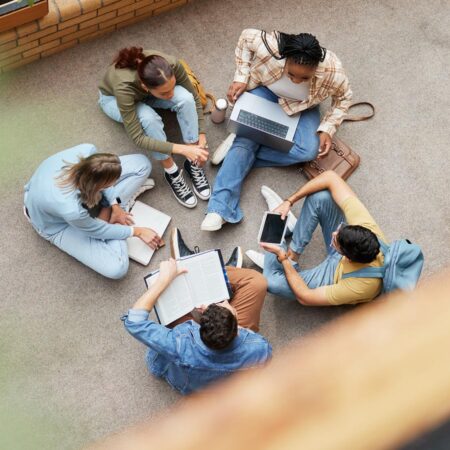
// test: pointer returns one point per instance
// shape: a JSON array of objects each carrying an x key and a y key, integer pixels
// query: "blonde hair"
[{"x": 90, "y": 175}]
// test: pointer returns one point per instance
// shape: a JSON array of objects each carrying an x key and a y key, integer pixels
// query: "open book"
[
  {"x": 148, "y": 217},
  {"x": 204, "y": 283}
]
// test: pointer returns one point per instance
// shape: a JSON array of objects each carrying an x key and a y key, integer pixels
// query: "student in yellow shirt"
[{"x": 351, "y": 238}]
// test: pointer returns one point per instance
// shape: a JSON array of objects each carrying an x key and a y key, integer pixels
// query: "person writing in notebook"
[
  {"x": 223, "y": 340},
  {"x": 296, "y": 72},
  {"x": 351, "y": 238},
  {"x": 79, "y": 200}
]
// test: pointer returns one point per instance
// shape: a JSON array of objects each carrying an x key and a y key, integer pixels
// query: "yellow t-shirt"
[{"x": 356, "y": 290}]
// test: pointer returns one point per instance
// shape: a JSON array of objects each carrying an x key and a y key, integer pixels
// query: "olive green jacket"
[{"x": 124, "y": 84}]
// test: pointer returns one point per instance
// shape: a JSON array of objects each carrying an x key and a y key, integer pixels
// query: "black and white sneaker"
[
  {"x": 178, "y": 247},
  {"x": 235, "y": 258},
  {"x": 199, "y": 182},
  {"x": 180, "y": 189}
]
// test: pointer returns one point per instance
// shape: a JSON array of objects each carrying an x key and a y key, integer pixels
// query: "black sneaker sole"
[{"x": 181, "y": 201}]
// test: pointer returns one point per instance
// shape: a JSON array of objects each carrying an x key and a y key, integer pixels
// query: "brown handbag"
[{"x": 341, "y": 158}]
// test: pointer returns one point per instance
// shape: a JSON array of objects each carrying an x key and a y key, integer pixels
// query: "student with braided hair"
[{"x": 295, "y": 71}]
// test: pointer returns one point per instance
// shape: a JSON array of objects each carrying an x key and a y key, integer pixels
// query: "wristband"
[{"x": 287, "y": 200}]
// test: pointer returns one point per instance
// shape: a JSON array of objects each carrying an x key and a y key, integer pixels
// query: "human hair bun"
[{"x": 129, "y": 58}]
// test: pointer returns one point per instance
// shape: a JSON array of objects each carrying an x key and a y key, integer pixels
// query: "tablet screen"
[{"x": 273, "y": 229}]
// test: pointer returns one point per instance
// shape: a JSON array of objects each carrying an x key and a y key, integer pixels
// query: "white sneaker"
[
  {"x": 148, "y": 184},
  {"x": 222, "y": 150},
  {"x": 273, "y": 200},
  {"x": 256, "y": 257},
  {"x": 212, "y": 222}
]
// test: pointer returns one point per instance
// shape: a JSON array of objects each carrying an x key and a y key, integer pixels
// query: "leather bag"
[{"x": 341, "y": 158}]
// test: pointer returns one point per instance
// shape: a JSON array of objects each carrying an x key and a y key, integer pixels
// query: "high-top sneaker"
[
  {"x": 199, "y": 182},
  {"x": 180, "y": 189},
  {"x": 178, "y": 247}
]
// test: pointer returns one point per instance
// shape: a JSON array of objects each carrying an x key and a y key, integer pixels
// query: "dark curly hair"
[
  {"x": 218, "y": 327},
  {"x": 303, "y": 48},
  {"x": 358, "y": 243}
]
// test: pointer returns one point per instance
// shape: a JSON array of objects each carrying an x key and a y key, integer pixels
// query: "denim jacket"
[{"x": 179, "y": 355}]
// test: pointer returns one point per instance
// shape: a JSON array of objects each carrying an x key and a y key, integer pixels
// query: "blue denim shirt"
[{"x": 179, "y": 355}]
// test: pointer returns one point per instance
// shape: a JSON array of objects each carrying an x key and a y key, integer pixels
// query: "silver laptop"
[{"x": 263, "y": 121}]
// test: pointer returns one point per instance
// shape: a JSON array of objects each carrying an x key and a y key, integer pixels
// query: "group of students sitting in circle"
[{"x": 79, "y": 200}]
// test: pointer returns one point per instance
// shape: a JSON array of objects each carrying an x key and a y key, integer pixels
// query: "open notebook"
[
  {"x": 205, "y": 282},
  {"x": 148, "y": 217}
]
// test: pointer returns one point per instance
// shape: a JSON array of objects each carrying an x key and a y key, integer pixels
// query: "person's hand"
[
  {"x": 275, "y": 249},
  {"x": 235, "y": 90},
  {"x": 283, "y": 209},
  {"x": 193, "y": 152},
  {"x": 325, "y": 144},
  {"x": 168, "y": 271},
  {"x": 202, "y": 142},
  {"x": 149, "y": 236},
  {"x": 118, "y": 215}
]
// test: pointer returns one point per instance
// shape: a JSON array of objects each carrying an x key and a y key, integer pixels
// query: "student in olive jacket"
[{"x": 137, "y": 82}]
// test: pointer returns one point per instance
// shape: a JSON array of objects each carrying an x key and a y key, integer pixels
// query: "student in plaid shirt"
[{"x": 295, "y": 71}]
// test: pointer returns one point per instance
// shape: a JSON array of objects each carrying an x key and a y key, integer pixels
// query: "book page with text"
[
  {"x": 205, "y": 278},
  {"x": 175, "y": 301}
]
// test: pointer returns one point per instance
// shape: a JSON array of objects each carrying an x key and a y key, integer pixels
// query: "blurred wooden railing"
[{"x": 373, "y": 379}]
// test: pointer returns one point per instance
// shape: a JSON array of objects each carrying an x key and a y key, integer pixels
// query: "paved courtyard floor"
[{"x": 67, "y": 362}]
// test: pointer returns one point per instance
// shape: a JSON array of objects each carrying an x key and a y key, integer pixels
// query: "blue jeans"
[
  {"x": 318, "y": 208},
  {"x": 107, "y": 257},
  {"x": 246, "y": 154},
  {"x": 182, "y": 103}
]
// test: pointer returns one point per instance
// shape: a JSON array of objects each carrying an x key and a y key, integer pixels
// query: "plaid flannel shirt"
[{"x": 256, "y": 66}]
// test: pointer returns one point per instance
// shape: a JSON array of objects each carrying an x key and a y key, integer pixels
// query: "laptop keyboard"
[{"x": 262, "y": 124}]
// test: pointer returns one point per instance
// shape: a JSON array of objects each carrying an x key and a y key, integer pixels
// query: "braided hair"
[{"x": 303, "y": 48}]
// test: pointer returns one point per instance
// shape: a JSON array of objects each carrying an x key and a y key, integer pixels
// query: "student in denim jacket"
[{"x": 192, "y": 355}]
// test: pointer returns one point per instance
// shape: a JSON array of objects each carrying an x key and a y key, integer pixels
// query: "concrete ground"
[{"x": 68, "y": 366}]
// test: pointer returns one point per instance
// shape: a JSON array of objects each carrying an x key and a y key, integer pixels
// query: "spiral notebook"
[{"x": 148, "y": 217}]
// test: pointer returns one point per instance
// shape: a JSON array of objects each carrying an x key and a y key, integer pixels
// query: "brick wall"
[{"x": 71, "y": 22}]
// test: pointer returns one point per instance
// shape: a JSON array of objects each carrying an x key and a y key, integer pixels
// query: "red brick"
[
  {"x": 116, "y": 20},
  {"x": 77, "y": 20},
  {"x": 8, "y": 46},
  {"x": 38, "y": 35},
  {"x": 115, "y": 6},
  {"x": 19, "y": 49},
  {"x": 22, "y": 62},
  {"x": 79, "y": 34},
  {"x": 134, "y": 6},
  {"x": 26, "y": 29},
  {"x": 96, "y": 20},
  {"x": 8, "y": 36},
  {"x": 169, "y": 7},
  {"x": 10, "y": 60},
  {"x": 41, "y": 48},
  {"x": 60, "y": 48},
  {"x": 58, "y": 34},
  {"x": 97, "y": 34}
]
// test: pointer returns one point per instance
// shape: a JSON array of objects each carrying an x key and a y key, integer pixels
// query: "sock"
[{"x": 172, "y": 169}]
